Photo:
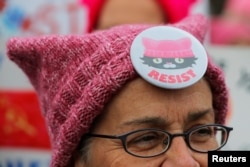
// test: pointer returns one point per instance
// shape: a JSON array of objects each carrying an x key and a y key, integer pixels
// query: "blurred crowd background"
[{"x": 24, "y": 141}]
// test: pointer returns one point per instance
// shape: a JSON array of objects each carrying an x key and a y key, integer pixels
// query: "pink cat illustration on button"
[
  {"x": 168, "y": 57},
  {"x": 168, "y": 54}
]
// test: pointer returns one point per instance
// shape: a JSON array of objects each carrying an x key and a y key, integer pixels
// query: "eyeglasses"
[{"x": 146, "y": 143}]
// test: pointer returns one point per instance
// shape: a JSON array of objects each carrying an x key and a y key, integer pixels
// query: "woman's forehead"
[
  {"x": 140, "y": 87},
  {"x": 142, "y": 103}
]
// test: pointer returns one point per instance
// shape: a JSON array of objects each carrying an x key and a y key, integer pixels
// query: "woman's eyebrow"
[
  {"x": 163, "y": 122},
  {"x": 153, "y": 121},
  {"x": 193, "y": 116}
]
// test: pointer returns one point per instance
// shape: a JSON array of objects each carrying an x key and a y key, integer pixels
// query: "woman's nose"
[{"x": 180, "y": 155}]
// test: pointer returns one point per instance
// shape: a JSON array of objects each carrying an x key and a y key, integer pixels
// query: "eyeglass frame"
[{"x": 171, "y": 136}]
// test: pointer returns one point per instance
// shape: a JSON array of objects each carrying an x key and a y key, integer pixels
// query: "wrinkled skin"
[{"x": 140, "y": 105}]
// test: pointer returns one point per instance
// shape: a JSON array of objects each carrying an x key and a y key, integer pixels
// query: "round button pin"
[{"x": 168, "y": 57}]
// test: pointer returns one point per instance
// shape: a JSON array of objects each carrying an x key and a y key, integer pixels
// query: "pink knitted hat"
[
  {"x": 174, "y": 10},
  {"x": 75, "y": 76}
]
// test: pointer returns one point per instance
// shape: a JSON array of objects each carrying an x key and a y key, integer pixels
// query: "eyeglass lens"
[
  {"x": 146, "y": 143},
  {"x": 208, "y": 138}
]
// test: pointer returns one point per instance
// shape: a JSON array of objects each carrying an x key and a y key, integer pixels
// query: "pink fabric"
[
  {"x": 225, "y": 32},
  {"x": 233, "y": 27},
  {"x": 241, "y": 7},
  {"x": 76, "y": 75},
  {"x": 174, "y": 10},
  {"x": 168, "y": 48},
  {"x": 93, "y": 8}
]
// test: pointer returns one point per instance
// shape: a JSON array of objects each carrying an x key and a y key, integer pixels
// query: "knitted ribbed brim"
[{"x": 75, "y": 76}]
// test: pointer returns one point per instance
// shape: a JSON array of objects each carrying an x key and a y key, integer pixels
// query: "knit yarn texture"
[{"x": 76, "y": 75}]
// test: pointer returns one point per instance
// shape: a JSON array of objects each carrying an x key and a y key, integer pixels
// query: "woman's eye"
[
  {"x": 202, "y": 135},
  {"x": 179, "y": 60},
  {"x": 145, "y": 141},
  {"x": 204, "y": 131},
  {"x": 157, "y": 60}
]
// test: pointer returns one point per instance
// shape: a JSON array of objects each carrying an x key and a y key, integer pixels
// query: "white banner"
[
  {"x": 24, "y": 158},
  {"x": 235, "y": 63}
]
